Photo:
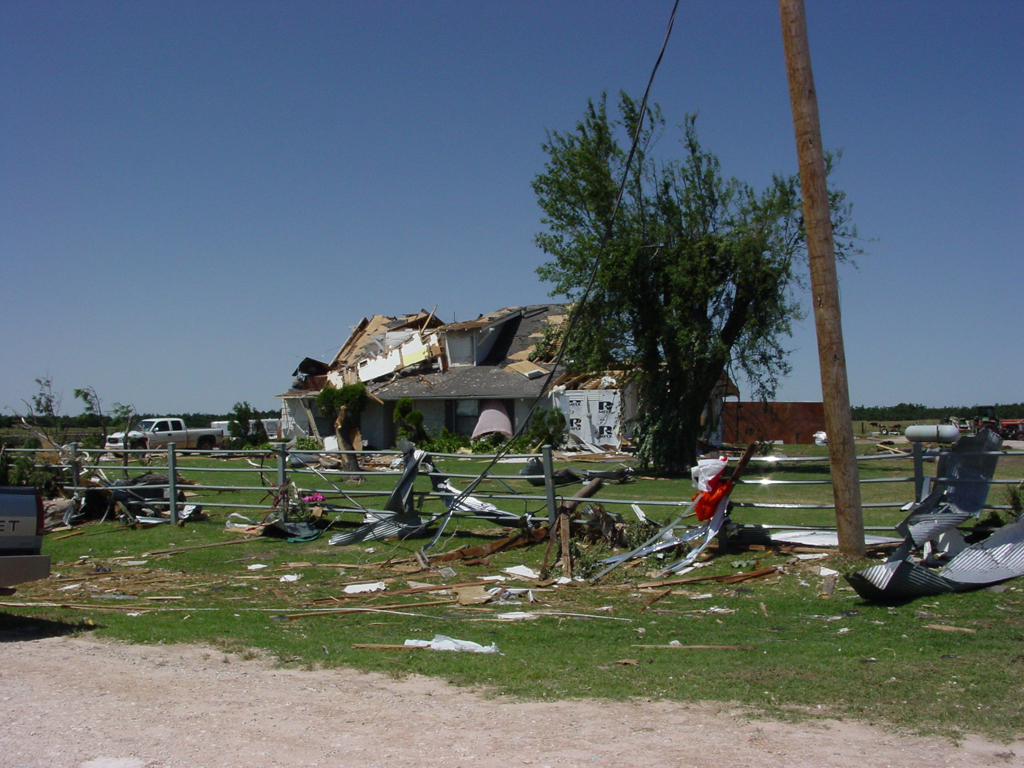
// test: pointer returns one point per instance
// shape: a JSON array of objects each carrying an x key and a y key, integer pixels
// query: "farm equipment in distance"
[
  {"x": 1008, "y": 429},
  {"x": 887, "y": 429},
  {"x": 985, "y": 418}
]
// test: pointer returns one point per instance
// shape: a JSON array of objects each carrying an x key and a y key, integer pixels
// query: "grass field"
[{"x": 786, "y": 645}]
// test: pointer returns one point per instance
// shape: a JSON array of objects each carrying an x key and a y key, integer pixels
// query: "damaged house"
[{"x": 471, "y": 377}]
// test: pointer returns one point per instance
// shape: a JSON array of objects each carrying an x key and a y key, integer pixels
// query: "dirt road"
[{"x": 79, "y": 703}]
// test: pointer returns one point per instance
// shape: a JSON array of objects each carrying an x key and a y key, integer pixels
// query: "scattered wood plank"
[
  {"x": 360, "y": 609},
  {"x": 483, "y": 550},
  {"x": 701, "y": 647},
  {"x": 948, "y": 628},
  {"x": 68, "y": 535},
  {"x": 176, "y": 550},
  {"x": 386, "y": 647},
  {"x": 655, "y": 599},
  {"x": 477, "y": 595},
  {"x": 728, "y": 578}
]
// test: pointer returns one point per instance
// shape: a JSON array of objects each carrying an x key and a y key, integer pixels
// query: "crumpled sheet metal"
[
  {"x": 397, "y": 519},
  {"x": 963, "y": 481},
  {"x": 470, "y": 506},
  {"x": 710, "y": 529},
  {"x": 997, "y": 558},
  {"x": 384, "y": 527}
]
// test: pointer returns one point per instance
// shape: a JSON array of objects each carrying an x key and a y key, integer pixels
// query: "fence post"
[
  {"x": 549, "y": 484},
  {"x": 282, "y": 478},
  {"x": 172, "y": 482},
  {"x": 918, "y": 471},
  {"x": 74, "y": 468}
]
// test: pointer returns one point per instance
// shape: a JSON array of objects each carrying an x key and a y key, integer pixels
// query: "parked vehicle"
[
  {"x": 1008, "y": 429},
  {"x": 21, "y": 538},
  {"x": 159, "y": 432}
]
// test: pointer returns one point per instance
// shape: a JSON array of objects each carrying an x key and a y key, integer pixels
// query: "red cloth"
[{"x": 708, "y": 501}]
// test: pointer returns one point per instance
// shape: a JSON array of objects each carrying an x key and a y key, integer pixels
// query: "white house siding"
[{"x": 460, "y": 348}]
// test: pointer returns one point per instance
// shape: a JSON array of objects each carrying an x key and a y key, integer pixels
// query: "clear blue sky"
[{"x": 196, "y": 195}]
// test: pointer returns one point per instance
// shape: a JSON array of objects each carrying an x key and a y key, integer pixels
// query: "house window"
[{"x": 462, "y": 416}]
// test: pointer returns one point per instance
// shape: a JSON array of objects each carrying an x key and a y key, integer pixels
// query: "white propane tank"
[{"x": 932, "y": 433}]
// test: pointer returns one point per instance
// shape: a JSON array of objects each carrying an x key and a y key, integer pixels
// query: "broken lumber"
[
  {"x": 948, "y": 628},
  {"x": 727, "y": 578},
  {"x": 176, "y": 550},
  {"x": 702, "y": 647},
  {"x": 518, "y": 540},
  {"x": 357, "y": 609}
]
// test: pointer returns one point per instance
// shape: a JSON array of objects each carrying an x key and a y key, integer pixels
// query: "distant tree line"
[{"x": 918, "y": 412}]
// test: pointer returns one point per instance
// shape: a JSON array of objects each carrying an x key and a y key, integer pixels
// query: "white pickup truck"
[
  {"x": 21, "y": 538},
  {"x": 157, "y": 433}
]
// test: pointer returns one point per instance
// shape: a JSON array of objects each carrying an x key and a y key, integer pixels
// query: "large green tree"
[{"x": 699, "y": 274}]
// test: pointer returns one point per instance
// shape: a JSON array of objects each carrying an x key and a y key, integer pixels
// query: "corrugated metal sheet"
[
  {"x": 998, "y": 558},
  {"x": 898, "y": 580},
  {"x": 382, "y": 528},
  {"x": 922, "y": 527},
  {"x": 963, "y": 477}
]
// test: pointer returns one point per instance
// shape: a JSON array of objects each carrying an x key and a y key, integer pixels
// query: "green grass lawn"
[{"x": 949, "y": 665}]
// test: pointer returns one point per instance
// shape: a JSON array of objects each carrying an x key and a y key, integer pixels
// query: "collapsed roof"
[{"x": 419, "y": 356}]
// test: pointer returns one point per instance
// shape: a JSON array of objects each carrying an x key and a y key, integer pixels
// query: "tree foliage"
[
  {"x": 698, "y": 275},
  {"x": 245, "y": 427},
  {"x": 409, "y": 422}
]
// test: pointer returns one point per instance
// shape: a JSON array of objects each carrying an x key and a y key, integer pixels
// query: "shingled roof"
[{"x": 505, "y": 373}]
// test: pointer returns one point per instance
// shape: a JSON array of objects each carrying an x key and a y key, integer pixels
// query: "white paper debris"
[
  {"x": 445, "y": 643},
  {"x": 523, "y": 572},
  {"x": 374, "y": 586},
  {"x": 256, "y": 567},
  {"x": 291, "y": 577}
]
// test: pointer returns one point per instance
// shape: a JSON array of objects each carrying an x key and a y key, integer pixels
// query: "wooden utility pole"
[{"x": 824, "y": 281}]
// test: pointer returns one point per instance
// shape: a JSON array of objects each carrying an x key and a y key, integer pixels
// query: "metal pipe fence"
[{"x": 280, "y": 467}]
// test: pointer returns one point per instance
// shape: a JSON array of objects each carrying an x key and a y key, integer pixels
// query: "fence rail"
[{"x": 280, "y": 468}]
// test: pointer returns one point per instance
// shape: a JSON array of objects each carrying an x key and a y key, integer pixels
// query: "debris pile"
[{"x": 931, "y": 528}]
